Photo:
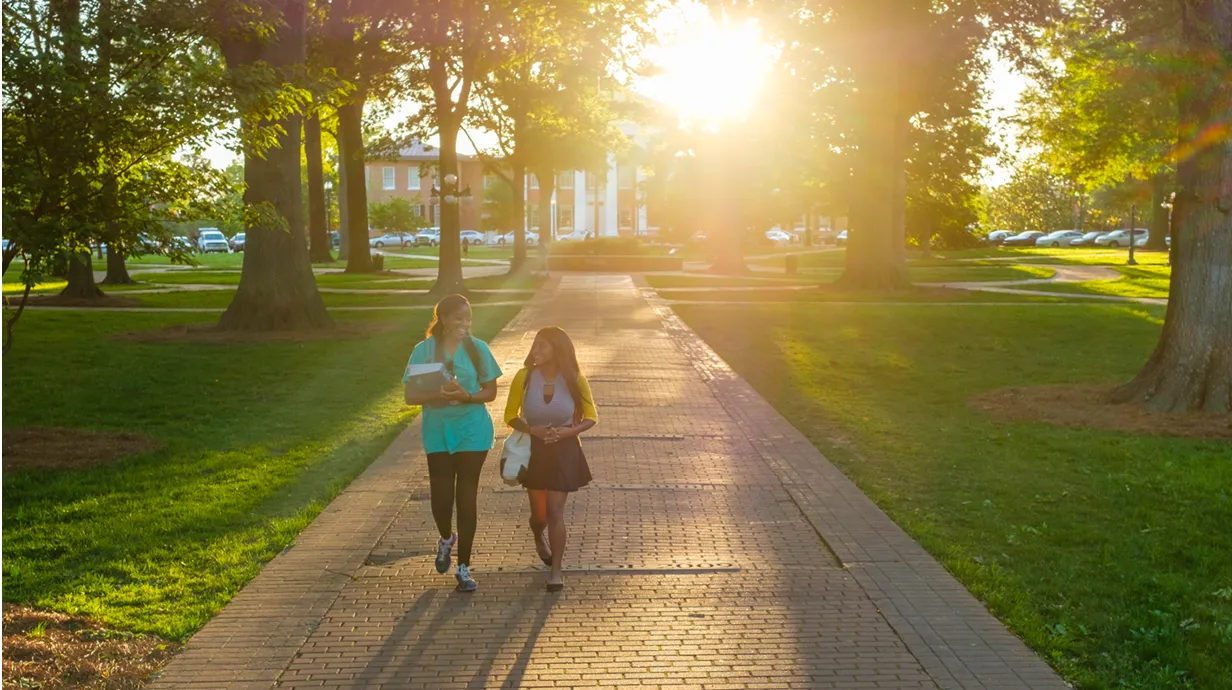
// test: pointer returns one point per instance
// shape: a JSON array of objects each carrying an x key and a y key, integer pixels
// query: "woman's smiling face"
[
  {"x": 458, "y": 324},
  {"x": 542, "y": 352}
]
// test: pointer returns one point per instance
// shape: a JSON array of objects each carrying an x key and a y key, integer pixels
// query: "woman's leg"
[
  {"x": 539, "y": 519},
  {"x": 469, "y": 466},
  {"x": 556, "y": 532},
  {"x": 441, "y": 470}
]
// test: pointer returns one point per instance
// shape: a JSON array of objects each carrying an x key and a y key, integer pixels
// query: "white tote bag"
[{"x": 515, "y": 456}]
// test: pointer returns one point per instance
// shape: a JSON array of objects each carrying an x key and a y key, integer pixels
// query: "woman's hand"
[
  {"x": 455, "y": 392},
  {"x": 541, "y": 432}
]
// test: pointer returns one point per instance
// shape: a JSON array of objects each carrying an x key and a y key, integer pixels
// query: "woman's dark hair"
[
  {"x": 444, "y": 308},
  {"x": 566, "y": 362}
]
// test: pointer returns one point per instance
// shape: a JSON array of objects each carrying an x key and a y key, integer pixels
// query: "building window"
[
  {"x": 626, "y": 175},
  {"x": 564, "y": 218},
  {"x": 387, "y": 177},
  {"x": 565, "y": 180},
  {"x": 412, "y": 177},
  {"x": 532, "y": 181}
]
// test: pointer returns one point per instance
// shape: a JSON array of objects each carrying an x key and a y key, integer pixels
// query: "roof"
[{"x": 421, "y": 152}]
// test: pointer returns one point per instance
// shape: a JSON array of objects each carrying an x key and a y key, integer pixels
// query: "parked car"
[
  {"x": 335, "y": 238},
  {"x": 428, "y": 237},
  {"x": 1120, "y": 238},
  {"x": 183, "y": 243},
  {"x": 1058, "y": 238},
  {"x": 212, "y": 240},
  {"x": 1023, "y": 239},
  {"x": 575, "y": 236},
  {"x": 998, "y": 236},
  {"x": 532, "y": 238},
  {"x": 473, "y": 237},
  {"x": 237, "y": 242},
  {"x": 391, "y": 239},
  {"x": 779, "y": 237},
  {"x": 841, "y": 238},
  {"x": 1087, "y": 240}
]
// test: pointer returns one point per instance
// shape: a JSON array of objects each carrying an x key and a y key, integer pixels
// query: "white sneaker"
[{"x": 444, "y": 553}]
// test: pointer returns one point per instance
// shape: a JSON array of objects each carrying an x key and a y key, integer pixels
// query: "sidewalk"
[{"x": 716, "y": 549}]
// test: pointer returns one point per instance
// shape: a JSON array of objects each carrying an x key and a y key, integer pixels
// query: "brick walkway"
[{"x": 716, "y": 549}]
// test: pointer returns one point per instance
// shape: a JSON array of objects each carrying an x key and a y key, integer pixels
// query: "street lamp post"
[{"x": 329, "y": 206}]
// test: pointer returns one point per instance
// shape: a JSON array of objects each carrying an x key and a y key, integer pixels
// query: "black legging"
[{"x": 456, "y": 477}]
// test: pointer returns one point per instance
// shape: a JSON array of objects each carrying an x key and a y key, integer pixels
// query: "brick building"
[{"x": 412, "y": 174}]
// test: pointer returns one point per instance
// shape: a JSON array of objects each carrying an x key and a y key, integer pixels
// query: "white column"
[
  {"x": 611, "y": 201},
  {"x": 581, "y": 218}
]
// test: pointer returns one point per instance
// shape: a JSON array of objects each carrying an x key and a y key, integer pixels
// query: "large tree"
[
  {"x": 1103, "y": 110},
  {"x": 458, "y": 44},
  {"x": 277, "y": 290},
  {"x": 98, "y": 97},
  {"x": 366, "y": 43},
  {"x": 1191, "y": 368}
]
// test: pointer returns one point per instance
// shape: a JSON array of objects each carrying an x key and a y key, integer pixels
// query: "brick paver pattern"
[{"x": 715, "y": 549}]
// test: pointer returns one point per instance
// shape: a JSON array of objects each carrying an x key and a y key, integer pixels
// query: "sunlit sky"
[{"x": 711, "y": 70}]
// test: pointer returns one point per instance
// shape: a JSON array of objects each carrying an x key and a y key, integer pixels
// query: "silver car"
[{"x": 1058, "y": 238}]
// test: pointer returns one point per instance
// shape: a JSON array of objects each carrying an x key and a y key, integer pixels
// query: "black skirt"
[{"x": 559, "y": 466}]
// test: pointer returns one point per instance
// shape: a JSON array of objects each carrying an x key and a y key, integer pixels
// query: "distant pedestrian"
[
  {"x": 457, "y": 428},
  {"x": 466, "y": 246},
  {"x": 550, "y": 399}
]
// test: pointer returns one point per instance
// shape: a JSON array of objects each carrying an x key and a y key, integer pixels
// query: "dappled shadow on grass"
[
  {"x": 1107, "y": 551},
  {"x": 211, "y": 333},
  {"x": 259, "y": 437}
]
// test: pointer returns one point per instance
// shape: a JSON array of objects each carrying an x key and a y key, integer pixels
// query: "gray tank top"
[{"x": 559, "y": 412}]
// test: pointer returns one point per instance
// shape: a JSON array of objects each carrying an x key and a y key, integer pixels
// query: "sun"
[{"x": 711, "y": 70}]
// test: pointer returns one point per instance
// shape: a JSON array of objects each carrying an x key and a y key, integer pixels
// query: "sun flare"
[{"x": 711, "y": 71}]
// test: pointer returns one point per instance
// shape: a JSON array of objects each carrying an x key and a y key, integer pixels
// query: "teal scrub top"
[{"x": 458, "y": 428}]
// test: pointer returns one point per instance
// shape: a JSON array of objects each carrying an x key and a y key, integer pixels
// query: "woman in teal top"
[{"x": 457, "y": 428}]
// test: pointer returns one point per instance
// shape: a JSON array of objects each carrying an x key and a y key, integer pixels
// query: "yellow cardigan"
[{"x": 517, "y": 389}]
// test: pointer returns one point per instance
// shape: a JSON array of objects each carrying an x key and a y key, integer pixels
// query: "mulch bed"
[
  {"x": 210, "y": 333},
  {"x": 1087, "y": 406},
  {"x": 53, "y": 651},
  {"x": 52, "y": 448}
]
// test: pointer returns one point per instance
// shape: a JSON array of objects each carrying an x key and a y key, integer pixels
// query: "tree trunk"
[
  {"x": 351, "y": 155},
  {"x": 344, "y": 234},
  {"x": 318, "y": 235},
  {"x": 449, "y": 278},
  {"x": 1191, "y": 368},
  {"x": 81, "y": 277},
  {"x": 1158, "y": 239},
  {"x": 519, "y": 212},
  {"x": 876, "y": 244},
  {"x": 277, "y": 290},
  {"x": 117, "y": 271}
]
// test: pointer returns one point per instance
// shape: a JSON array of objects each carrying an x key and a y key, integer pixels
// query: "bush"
[{"x": 615, "y": 263}]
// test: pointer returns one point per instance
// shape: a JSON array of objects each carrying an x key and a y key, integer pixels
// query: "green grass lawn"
[
  {"x": 1109, "y": 553},
  {"x": 1135, "y": 281},
  {"x": 221, "y": 299},
  {"x": 258, "y": 439}
]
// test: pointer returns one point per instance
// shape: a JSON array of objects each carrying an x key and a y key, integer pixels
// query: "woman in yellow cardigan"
[{"x": 551, "y": 400}]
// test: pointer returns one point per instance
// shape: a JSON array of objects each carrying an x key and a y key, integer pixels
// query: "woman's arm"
[{"x": 486, "y": 394}]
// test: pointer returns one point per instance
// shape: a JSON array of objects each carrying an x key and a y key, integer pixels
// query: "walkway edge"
[{"x": 943, "y": 625}]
